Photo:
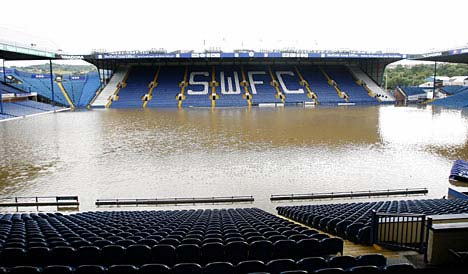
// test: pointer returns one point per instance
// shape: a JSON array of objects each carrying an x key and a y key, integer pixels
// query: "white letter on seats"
[
  {"x": 283, "y": 85},
  {"x": 252, "y": 82},
  {"x": 230, "y": 90},
  {"x": 192, "y": 82}
]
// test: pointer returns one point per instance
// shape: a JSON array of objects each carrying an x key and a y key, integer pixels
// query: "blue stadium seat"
[
  {"x": 399, "y": 268},
  {"x": 343, "y": 77},
  {"x": 261, "y": 250},
  {"x": 237, "y": 251},
  {"x": 279, "y": 265},
  {"x": 332, "y": 246},
  {"x": 137, "y": 254},
  {"x": 57, "y": 269},
  {"x": 122, "y": 269},
  {"x": 311, "y": 264},
  {"x": 24, "y": 270},
  {"x": 364, "y": 269},
  {"x": 342, "y": 262},
  {"x": 38, "y": 256},
  {"x": 212, "y": 252},
  {"x": 285, "y": 249},
  {"x": 163, "y": 254},
  {"x": 308, "y": 248},
  {"x": 90, "y": 269},
  {"x": 188, "y": 253},
  {"x": 154, "y": 268},
  {"x": 12, "y": 256},
  {"x": 329, "y": 271},
  {"x": 377, "y": 260},
  {"x": 88, "y": 255},
  {"x": 218, "y": 267},
  {"x": 245, "y": 267},
  {"x": 112, "y": 254},
  {"x": 187, "y": 268}
]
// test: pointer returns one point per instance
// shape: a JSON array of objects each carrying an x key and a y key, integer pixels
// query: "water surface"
[{"x": 202, "y": 152}]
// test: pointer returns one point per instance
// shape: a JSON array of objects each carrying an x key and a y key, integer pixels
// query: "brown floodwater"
[{"x": 237, "y": 151}]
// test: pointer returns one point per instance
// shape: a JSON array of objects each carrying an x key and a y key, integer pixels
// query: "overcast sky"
[{"x": 79, "y": 26}]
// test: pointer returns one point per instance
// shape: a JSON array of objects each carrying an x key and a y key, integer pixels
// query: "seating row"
[
  {"x": 353, "y": 220},
  {"x": 167, "y": 237},
  {"x": 166, "y": 254},
  {"x": 373, "y": 262},
  {"x": 228, "y": 85}
]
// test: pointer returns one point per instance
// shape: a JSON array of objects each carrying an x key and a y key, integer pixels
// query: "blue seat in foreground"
[{"x": 154, "y": 268}]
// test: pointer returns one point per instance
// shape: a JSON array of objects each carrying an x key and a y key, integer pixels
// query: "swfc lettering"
[{"x": 229, "y": 82}]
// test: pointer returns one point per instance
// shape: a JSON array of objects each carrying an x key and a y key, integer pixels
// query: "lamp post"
[
  {"x": 4, "y": 81},
  {"x": 52, "y": 82},
  {"x": 434, "y": 81}
]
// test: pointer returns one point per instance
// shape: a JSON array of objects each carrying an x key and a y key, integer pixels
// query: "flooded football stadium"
[{"x": 161, "y": 153}]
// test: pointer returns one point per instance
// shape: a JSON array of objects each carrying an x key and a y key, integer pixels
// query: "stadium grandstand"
[
  {"x": 456, "y": 95},
  {"x": 16, "y": 99},
  {"x": 242, "y": 79}
]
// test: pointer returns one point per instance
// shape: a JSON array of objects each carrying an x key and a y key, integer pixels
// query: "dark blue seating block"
[
  {"x": 218, "y": 267},
  {"x": 294, "y": 272}
]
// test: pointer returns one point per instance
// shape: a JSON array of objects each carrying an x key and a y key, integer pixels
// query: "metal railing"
[
  {"x": 349, "y": 194},
  {"x": 39, "y": 201},
  {"x": 174, "y": 201},
  {"x": 399, "y": 231}
]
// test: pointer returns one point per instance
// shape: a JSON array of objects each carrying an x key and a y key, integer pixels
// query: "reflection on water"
[{"x": 204, "y": 152}]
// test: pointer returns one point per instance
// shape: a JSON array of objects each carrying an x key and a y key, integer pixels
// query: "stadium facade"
[{"x": 140, "y": 79}]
